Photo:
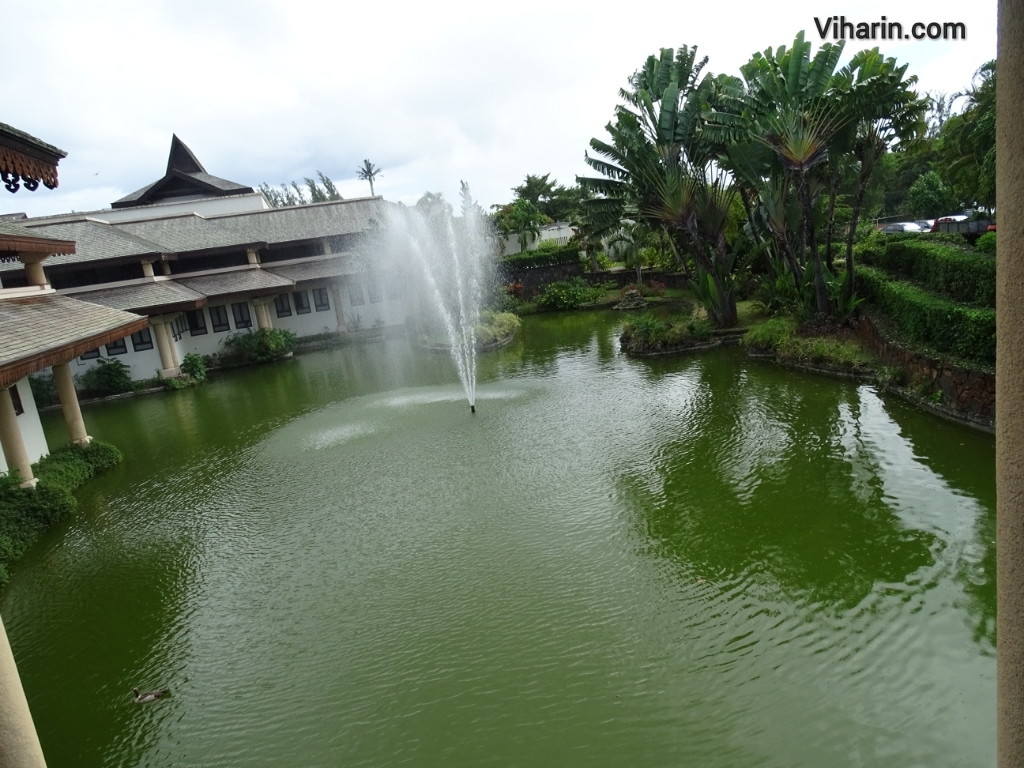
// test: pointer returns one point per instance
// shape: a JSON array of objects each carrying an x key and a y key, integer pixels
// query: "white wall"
[
  {"x": 313, "y": 322},
  {"x": 559, "y": 232},
  {"x": 30, "y": 426}
]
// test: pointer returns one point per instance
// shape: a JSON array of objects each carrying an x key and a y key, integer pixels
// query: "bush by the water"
[
  {"x": 569, "y": 294},
  {"x": 260, "y": 346},
  {"x": 647, "y": 333},
  {"x": 495, "y": 326},
  {"x": 542, "y": 257},
  {"x": 25, "y": 512},
  {"x": 969, "y": 332},
  {"x": 780, "y": 336},
  {"x": 109, "y": 377}
]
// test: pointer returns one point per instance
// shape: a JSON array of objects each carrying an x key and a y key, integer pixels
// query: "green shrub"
[
  {"x": 986, "y": 243},
  {"x": 569, "y": 294},
  {"x": 954, "y": 273},
  {"x": 647, "y": 333},
  {"x": 109, "y": 377},
  {"x": 44, "y": 390},
  {"x": 25, "y": 513},
  {"x": 949, "y": 327},
  {"x": 194, "y": 366},
  {"x": 260, "y": 346},
  {"x": 770, "y": 334},
  {"x": 565, "y": 254},
  {"x": 496, "y": 326}
]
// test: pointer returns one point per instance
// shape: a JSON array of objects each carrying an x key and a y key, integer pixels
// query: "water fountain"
[{"x": 449, "y": 254}]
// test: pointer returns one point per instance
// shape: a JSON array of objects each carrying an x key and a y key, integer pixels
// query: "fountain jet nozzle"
[{"x": 472, "y": 409}]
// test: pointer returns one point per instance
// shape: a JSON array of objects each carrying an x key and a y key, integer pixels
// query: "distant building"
[{"x": 202, "y": 258}]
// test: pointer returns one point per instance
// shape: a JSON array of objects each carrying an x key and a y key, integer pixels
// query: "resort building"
[
  {"x": 203, "y": 258},
  {"x": 40, "y": 328}
]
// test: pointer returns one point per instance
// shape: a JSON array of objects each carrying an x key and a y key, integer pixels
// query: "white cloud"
[{"x": 274, "y": 91}]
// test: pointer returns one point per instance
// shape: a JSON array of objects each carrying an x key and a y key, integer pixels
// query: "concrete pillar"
[
  {"x": 19, "y": 744},
  {"x": 165, "y": 268},
  {"x": 147, "y": 269},
  {"x": 252, "y": 255},
  {"x": 339, "y": 313},
  {"x": 69, "y": 404},
  {"x": 34, "y": 274},
  {"x": 13, "y": 445},
  {"x": 165, "y": 345},
  {"x": 263, "y": 321},
  {"x": 1009, "y": 393}
]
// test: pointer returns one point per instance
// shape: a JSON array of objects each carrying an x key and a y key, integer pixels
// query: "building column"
[
  {"x": 252, "y": 255},
  {"x": 165, "y": 345},
  {"x": 147, "y": 269},
  {"x": 34, "y": 274},
  {"x": 12, "y": 443},
  {"x": 339, "y": 313},
  {"x": 1009, "y": 394},
  {"x": 165, "y": 268},
  {"x": 19, "y": 744},
  {"x": 263, "y": 321},
  {"x": 69, "y": 404}
]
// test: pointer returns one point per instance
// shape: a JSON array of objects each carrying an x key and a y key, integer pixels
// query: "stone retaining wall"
[{"x": 969, "y": 391}]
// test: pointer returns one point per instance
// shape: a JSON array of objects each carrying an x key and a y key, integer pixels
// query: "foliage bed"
[
  {"x": 260, "y": 346},
  {"x": 495, "y": 326},
  {"x": 543, "y": 257},
  {"x": 25, "y": 513},
  {"x": 986, "y": 243},
  {"x": 950, "y": 271},
  {"x": 969, "y": 332},
  {"x": 109, "y": 377},
  {"x": 648, "y": 334},
  {"x": 569, "y": 294},
  {"x": 780, "y": 336}
]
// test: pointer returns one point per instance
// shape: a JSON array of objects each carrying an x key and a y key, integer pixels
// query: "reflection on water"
[{"x": 693, "y": 561}]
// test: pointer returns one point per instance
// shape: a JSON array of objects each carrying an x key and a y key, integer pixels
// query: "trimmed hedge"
[
  {"x": 956, "y": 274},
  {"x": 25, "y": 512},
  {"x": 567, "y": 254},
  {"x": 949, "y": 327}
]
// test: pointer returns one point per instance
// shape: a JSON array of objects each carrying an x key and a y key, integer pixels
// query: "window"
[
  {"x": 91, "y": 354},
  {"x": 394, "y": 288},
  {"x": 355, "y": 294},
  {"x": 376, "y": 297},
  {"x": 301, "y": 302},
  {"x": 321, "y": 300},
  {"x": 119, "y": 347},
  {"x": 284, "y": 307},
  {"x": 142, "y": 340},
  {"x": 219, "y": 319},
  {"x": 241, "y": 312},
  {"x": 178, "y": 327},
  {"x": 196, "y": 322}
]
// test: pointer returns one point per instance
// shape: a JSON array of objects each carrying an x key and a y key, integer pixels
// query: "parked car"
[
  {"x": 902, "y": 226},
  {"x": 925, "y": 224}
]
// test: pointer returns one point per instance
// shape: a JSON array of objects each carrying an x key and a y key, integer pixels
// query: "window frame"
[
  {"x": 302, "y": 306},
  {"x": 193, "y": 330},
  {"x": 118, "y": 347},
  {"x": 237, "y": 308},
  {"x": 285, "y": 311},
  {"x": 358, "y": 291},
  {"x": 325, "y": 305},
  {"x": 140, "y": 345},
  {"x": 222, "y": 311}
]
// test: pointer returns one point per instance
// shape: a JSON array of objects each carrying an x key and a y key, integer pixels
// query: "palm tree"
[{"x": 368, "y": 172}]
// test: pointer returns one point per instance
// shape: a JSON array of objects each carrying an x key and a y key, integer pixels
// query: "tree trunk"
[{"x": 820, "y": 289}]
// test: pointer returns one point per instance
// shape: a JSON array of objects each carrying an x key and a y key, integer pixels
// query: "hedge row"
[
  {"x": 923, "y": 316},
  {"x": 25, "y": 513},
  {"x": 956, "y": 274},
  {"x": 567, "y": 254}
]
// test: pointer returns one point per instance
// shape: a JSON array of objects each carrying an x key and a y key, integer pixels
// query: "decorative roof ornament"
[{"x": 27, "y": 161}]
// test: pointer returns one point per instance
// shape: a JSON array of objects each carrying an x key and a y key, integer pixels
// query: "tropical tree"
[
  {"x": 368, "y": 172},
  {"x": 968, "y": 142},
  {"x": 294, "y": 193}
]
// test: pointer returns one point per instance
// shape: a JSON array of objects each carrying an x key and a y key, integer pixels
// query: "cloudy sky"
[{"x": 269, "y": 91}]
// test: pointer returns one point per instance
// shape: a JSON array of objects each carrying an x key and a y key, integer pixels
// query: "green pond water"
[{"x": 689, "y": 561}]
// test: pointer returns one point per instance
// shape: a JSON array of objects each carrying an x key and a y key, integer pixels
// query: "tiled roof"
[
  {"x": 167, "y": 294},
  {"x": 304, "y": 222},
  {"x": 316, "y": 270},
  {"x": 189, "y": 232},
  {"x": 55, "y": 329},
  {"x": 254, "y": 282},
  {"x": 95, "y": 241}
]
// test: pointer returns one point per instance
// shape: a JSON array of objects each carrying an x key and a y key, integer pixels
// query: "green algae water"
[{"x": 702, "y": 561}]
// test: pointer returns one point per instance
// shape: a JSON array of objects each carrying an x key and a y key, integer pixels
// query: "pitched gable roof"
[{"x": 185, "y": 176}]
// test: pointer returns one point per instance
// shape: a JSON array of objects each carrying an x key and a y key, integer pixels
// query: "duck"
[{"x": 147, "y": 696}]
